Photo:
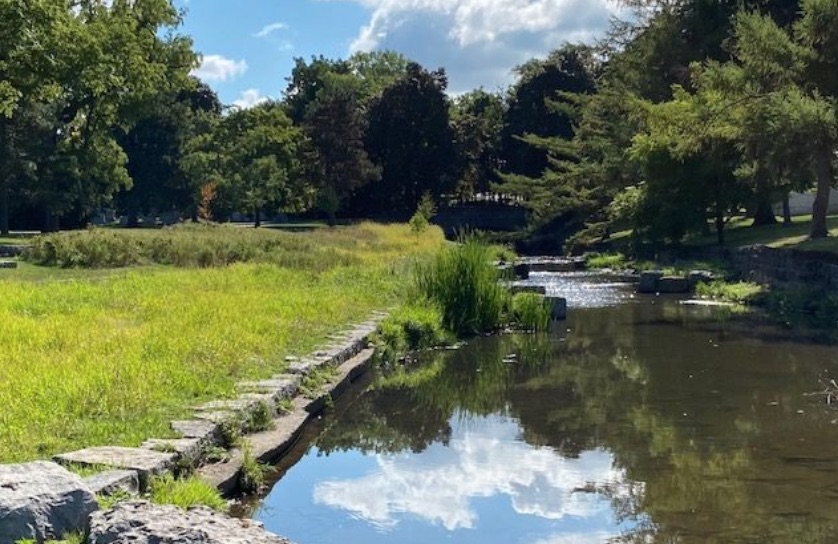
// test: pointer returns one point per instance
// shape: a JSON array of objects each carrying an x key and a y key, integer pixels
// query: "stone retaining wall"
[{"x": 776, "y": 266}]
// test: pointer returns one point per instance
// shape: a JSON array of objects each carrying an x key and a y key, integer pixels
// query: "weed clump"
[{"x": 531, "y": 311}]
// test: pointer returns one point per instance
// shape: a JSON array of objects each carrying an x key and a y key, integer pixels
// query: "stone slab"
[
  {"x": 648, "y": 282},
  {"x": 189, "y": 450},
  {"x": 112, "y": 481},
  {"x": 673, "y": 284},
  {"x": 42, "y": 501},
  {"x": 8, "y": 264},
  {"x": 140, "y": 522},
  {"x": 196, "y": 428},
  {"x": 146, "y": 463}
]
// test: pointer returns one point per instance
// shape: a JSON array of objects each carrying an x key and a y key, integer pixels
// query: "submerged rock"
[
  {"x": 42, "y": 501},
  {"x": 140, "y": 522}
]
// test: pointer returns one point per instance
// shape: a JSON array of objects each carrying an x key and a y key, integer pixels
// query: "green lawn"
[
  {"x": 94, "y": 357},
  {"x": 740, "y": 233}
]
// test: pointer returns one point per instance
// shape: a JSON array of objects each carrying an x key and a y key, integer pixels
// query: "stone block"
[
  {"x": 140, "y": 522},
  {"x": 189, "y": 450},
  {"x": 8, "y": 264},
  {"x": 111, "y": 481},
  {"x": 521, "y": 271},
  {"x": 146, "y": 463},
  {"x": 558, "y": 308},
  {"x": 648, "y": 282},
  {"x": 42, "y": 501},
  {"x": 281, "y": 385},
  {"x": 673, "y": 284},
  {"x": 537, "y": 289}
]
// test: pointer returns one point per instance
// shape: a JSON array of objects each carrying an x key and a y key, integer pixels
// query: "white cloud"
[
  {"x": 440, "y": 485},
  {"x": 269, "y": 29},
  {"x": 480, "y": 41},
  {"x": 249, "y": 99},
  {"x": 219, "y": 68}
]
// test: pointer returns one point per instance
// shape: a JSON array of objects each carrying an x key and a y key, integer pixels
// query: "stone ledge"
[
  {"x": 111, "y": 481},
  {"x": 146, "y": 463}
]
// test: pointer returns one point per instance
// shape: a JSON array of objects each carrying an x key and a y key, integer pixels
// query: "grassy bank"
[{"x": 111, "y": 359}]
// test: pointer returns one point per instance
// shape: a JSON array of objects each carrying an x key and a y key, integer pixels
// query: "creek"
[{"x": 639, "y": 419}]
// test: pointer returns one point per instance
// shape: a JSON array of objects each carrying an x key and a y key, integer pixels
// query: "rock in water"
[
  {"x": 140, "y": 522},
  {"x": 42, "y": 501}
]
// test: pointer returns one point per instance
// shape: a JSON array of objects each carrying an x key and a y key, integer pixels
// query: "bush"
[
  {"x": 531, "y": 311},
  {"x": 806, "y": 306},
  {"x": 464, "y": 283}
]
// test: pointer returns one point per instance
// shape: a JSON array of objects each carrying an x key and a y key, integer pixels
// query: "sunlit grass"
[
  {"x": 740, "y": 233},
  {"x": 113, "y": 358}
]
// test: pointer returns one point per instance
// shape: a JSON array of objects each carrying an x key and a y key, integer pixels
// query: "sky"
[{"x": 248, "y": 46}]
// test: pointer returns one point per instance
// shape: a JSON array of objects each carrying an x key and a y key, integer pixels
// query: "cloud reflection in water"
[{"x": 485, "y": 460}]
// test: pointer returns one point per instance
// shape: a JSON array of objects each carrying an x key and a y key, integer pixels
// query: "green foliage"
[
  {"x": 106, "y": 502},
  {"x": 606, "y": 260},
  {"x": 531, "y": 311},
  {"x": 312, "y": 384},
  {"x": 260, "y": 419},
  {"x": 414, "y": 326},
  {"x": 252, "y": 474},
  {"x": 185, "y": 493},
  {"x": 740, "y": 292},
  {"x": 464, "y": 283},
  {"x": 73, "y": 538}
]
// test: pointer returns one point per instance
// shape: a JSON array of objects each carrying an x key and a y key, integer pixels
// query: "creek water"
[{"x": 639, "y": 419}]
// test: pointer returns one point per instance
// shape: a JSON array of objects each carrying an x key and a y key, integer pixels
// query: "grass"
[
  {"x": 599, "y": 261},
  {"x": 313, "y": 382},
  {"x": 111, "y": 359},
  {"x": 531, "y": 312},
  {"x": 464, "y": 284},
  {"x": 740, "y": 233},
  {"x": 74, "y": 538},
  {"x": 739, "y": 292},
  {"x": 186, "y": 492},
  {"x": 414, "y": 326}
]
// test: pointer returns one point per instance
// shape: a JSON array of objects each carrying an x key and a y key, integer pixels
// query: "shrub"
[
  {"x": 462, "y": 281},
  {"x": 186, "y": 492},
  {"x": 531, "y": 311}
]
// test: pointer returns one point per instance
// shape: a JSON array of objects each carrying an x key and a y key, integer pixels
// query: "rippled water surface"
[{"x": 637, "y": 420}]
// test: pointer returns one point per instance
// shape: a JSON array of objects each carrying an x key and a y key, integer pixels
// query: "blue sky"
[{"x": 248, "y": 46}]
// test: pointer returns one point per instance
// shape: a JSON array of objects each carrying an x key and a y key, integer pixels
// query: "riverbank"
[{"x": 112, "y": 359}]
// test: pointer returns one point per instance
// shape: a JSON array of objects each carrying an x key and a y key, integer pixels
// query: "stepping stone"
[
  {"x": 188, "y": 449},
  {"x": 146, "y": 463},
  {"x": 8, "y": 264},
  {"x": 196, "y": 428},
  {"x": 111, "y": 481},
  {"x": 282, "y": 386}
]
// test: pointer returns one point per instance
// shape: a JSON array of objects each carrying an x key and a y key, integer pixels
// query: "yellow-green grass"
[{"x": 112, "y": 360}]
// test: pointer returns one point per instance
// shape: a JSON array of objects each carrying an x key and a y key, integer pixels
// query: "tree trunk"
[
  {"x": 4, "y": 205},
  {"x": 257, "y": 222},
  {"x": 133, "y": 220},
  {"x": 786, "y": 211},
  {"x": 4, "y": 179},
  {"x": 823, "y": 172},
  {"x": 720, "y": 228},
  {"x": 764, "y": 213}
]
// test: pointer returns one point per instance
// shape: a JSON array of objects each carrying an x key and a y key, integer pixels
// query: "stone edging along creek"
[{"x": 43, "y": 500}]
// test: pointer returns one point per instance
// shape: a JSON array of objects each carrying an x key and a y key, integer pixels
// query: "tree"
[
  {"x": 253, "y": 156},
  {"x": 410, "y": 137},
  {"x": 570, "y": 69},
  {"x": 335, "y": 123},
  {"x": 154, "y": 146},
  {"x": 477, "y": 121}
]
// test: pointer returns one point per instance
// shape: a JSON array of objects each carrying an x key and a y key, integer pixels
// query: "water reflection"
[
  {"x": 644, "y": 422},
  {"x": 485, "y": 459}
]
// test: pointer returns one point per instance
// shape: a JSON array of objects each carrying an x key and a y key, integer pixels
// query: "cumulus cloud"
[
  {"x": 219, "y": 68},
  {"x": 480, "y": 41},
  {"x": 440, "y": 485},
  {"x": 249, "y": 99}
]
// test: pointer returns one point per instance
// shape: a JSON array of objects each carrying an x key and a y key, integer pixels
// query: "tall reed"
[{"x": 464, "y": 283}]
